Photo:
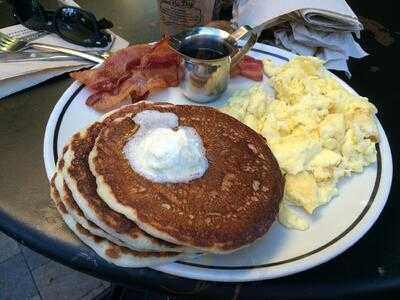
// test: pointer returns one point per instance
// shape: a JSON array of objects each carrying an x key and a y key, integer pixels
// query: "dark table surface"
[{"x": 370, "y": 268}]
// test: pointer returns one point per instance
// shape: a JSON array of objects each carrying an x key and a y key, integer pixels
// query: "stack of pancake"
[{"x": 134, "y": 222}]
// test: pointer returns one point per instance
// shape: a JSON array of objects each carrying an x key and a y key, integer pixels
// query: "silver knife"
[
  {"x": 38, "y": 56},
  {"x": 30, "y": 56}
]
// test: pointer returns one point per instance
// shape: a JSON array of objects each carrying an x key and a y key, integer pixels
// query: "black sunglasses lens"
[
  {"x": 80, "y": 27},
  {"x": 30, "y": 13},
  {"x": 23, "y": 9},
  {"x": 75, "y": 24}
]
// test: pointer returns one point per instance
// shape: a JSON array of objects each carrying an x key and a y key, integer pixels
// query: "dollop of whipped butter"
[{"x": 162, "y": 151}]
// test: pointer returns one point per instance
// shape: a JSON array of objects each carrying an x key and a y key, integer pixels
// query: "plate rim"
[{"x": 265, "y": 271}]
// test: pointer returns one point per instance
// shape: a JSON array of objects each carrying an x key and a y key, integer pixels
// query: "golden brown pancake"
[
  {"x": 80, "y": 181},
  {"x": 233, "y": 204},
  {"x": 109, "y": 251},
  {"x": 76, "y": 213}
]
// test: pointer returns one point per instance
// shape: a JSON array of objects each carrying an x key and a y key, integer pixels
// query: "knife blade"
[{"x": 37, "y": 56}]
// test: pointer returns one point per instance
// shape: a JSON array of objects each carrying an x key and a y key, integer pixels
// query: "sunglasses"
[{"x": 73, "y": 24}]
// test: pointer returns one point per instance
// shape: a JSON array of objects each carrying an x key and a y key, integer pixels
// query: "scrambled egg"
[{"x": 317, "y": 130}]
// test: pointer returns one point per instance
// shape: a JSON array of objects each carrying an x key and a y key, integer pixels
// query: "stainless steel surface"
[
  {"x": 43, "y": 56},
  {"x": 11, "y": 40},
  {"x": 10, "y": 44},
  {"x": 33, "y": 36},
  {"x": 87, "y": 56},
  {"x": 239, "y": 34},
  {"x": 28, "y": 36},
  {"x": 205, "y": 79}
]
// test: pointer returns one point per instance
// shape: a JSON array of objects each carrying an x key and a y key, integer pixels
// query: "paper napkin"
[
  {"x": 320, "y": 28},
  {"x": 20, "y": 75}
]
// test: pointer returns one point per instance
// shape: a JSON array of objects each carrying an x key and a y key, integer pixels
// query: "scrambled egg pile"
[{"x": 317, "y": 130}]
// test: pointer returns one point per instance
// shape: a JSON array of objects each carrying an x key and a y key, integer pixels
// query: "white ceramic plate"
[{"x": 334, "y": 227}]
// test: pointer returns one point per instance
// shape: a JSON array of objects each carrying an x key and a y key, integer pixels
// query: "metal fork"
[
  {"x": 34, "y": 35},
  {"x": 12, "y": 44}
]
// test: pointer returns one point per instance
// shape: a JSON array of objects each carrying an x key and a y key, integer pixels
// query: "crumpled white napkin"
[
  {"x": 319, "y": 28},
  {"x": 333, "y": 47},
  {"x": 17, "y": 76},
  {"x": 326, "y": 15}
]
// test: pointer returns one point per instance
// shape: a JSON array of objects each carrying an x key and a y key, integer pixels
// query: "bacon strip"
[
  {"x": 137, "y": 86},
  {"x": 250, "y": 68},
  {"x": 108, "y": 76},
  {"x": 138, "y": 70},
  {"x": 134, "y": 71}
]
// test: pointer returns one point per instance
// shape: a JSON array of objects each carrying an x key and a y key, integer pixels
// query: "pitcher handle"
[{"x": 238, "y": 35}]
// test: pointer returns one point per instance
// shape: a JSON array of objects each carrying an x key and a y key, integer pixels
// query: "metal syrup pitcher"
[{"x": 208, "y": 55}]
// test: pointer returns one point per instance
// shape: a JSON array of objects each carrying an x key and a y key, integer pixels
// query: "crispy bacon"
[
  {"x": 250, "y": 67},
  {"x": 160, "y": 55},
  {"x": 138, "y": 70},
  {"x": 134, "y": 71},
  {"x": 114, "y": 69},
  {"x": 137, "y": 86}
]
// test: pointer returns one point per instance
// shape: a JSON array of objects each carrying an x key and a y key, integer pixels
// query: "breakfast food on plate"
[
  {"x": 134, "y": 71},
  {"x": 317, "y": 130},
  {"x": 154, "y": 182},
  {"x": 82, "y": 184},
  {"x": 249, "y": 67},
  {"x": 76, "y": 213},
  {"x": 109, "y": 251},
  {"x": 226, "y": 207},
  {"x": 138, "y": 70}
]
